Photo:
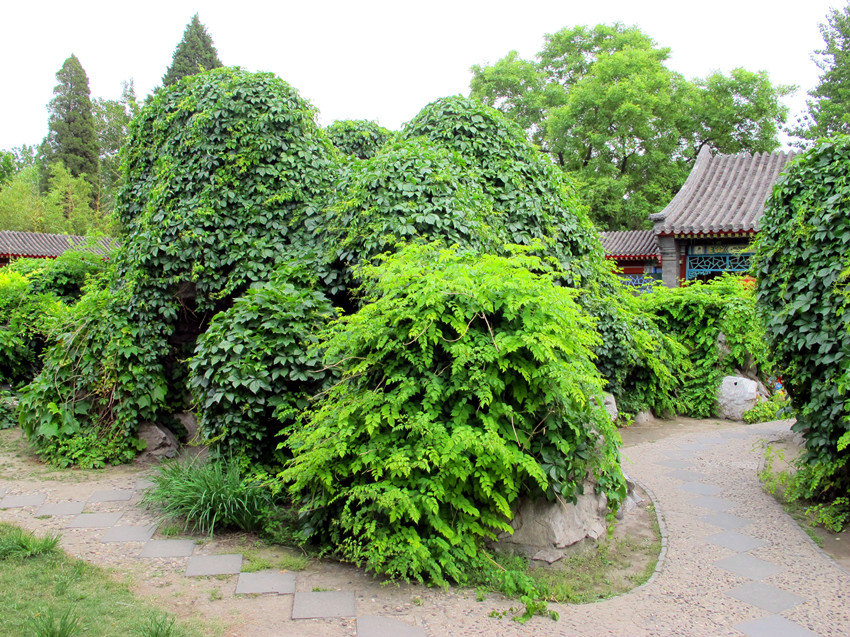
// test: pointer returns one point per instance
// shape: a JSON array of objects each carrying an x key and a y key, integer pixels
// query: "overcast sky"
[{"x": 375, "y": 59}]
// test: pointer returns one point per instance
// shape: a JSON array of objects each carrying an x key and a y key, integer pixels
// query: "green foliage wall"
[
  {"x": 224, "y": 171},
  {"x": 466, "y": 383},
  {"x": 358, "y": 138},
  {"x": 256, "y": 368},
  {"x": 696, "y": 315},
  {"x": 24, "y": 321},
  {"x": 802, "y": 258}
]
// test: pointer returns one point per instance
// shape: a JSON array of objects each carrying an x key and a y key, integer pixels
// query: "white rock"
[
  {"x": 735, "y": 396},
  {"x": 611, "y": 406}
]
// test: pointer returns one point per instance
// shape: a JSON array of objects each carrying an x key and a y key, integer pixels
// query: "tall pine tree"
[
  {"x": 71, "y": 137},
  {"x": 194, "y": 53}
]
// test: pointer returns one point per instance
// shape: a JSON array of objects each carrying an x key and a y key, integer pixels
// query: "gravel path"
[{"x": 733, "y": 562}]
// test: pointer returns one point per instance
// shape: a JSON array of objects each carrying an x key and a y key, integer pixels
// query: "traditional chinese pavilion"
[{"x": 39, "y": 245}]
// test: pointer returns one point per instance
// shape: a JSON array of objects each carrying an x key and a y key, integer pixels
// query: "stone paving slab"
[
  {"x": 68, "y": 507},
  {"x": 129, "y": 533},
  {"x": 142, "y": 484},
  {"x": 735, "y": 541},
  {"x": 765, "y": 596},
  {"x": 323, "y": 604},
  {"x": 111, "y": 495},
  {"x": 748, "y": 566},
  {"x": 23, "y": 500},
  {"x": 773, "y": 626},
  {"x": 700, "y": 488},
  {"x": 93, "y": 520},
  {"x": 693, "y": 446},
  {"x": 712, "y": 503},
  {"x": 687, "y": 476},
  {"x": 168, "y": 548},
  {"x": 677, "y": 464},
  {"x": 374, "y": 626},
  {"x": 200, "y": 565},
  {"x": 726, "y": 520},
  {"x": 265, "y": 582}
]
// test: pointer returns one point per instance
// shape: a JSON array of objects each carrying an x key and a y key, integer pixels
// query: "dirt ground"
[{"x": 209, "y": 602}]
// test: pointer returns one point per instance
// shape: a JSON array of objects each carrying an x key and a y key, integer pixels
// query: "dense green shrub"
[
  {"x": 25, "y": 318},
  {"x": 63, "y": 276},
  {"x": 773, "y": 408},
  {"x": 208, "y": 495},
  {"x": 466, "y": 382},
  {"x": 254, "y": 369},
  {"x": 92, "y": 367},
  {"x": 225, "y": 172},
  {"x": 802, "y": 258},
  {"x": 531, "y": 198},
  {"x": 413, "y": 191},
  {"x": 8, "y": 410},
  {"x": 358, "y": 138},
  {"x": 721, "y": 331}
]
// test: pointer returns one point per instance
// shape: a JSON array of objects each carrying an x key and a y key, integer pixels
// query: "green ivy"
[
  {"x": 802, "y": 257},
  {"x": 25, "y": 318},
  {"x": 254, "y": 370},
  {"x": 63, "y": 276},
  {"x": 466, "y": 382},
  {"x": 358, "y": 138},
  {"x": 721, "y": 331},
  {"x": 225, "y": 173}
]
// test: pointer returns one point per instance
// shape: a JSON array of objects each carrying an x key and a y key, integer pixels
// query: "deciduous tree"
[
  {"x": 626, "y": 127},
  {"x": 829, "y": 106}
]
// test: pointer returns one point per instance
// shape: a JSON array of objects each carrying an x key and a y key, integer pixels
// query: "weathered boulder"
[
  {"x": 542, "y": 529},
  {"x": 161, "y": 443},
  {"x": 190, "y": 424},
  {"x": 611, "y": 406},
  {"x": 735, "y": 396},
  {"x": 643, "y": 417}
]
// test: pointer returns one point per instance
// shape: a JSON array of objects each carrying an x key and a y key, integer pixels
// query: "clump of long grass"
[
  {"x": 49, "y": 624},
  {"x": 208, "y": 495},
  {"x": 16, "y": 542}
]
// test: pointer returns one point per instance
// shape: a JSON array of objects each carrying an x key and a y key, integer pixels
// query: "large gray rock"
[
  {"x": 161, "y": 443},
  {"x": 542, "y": 529},
  {"x": 611, "y": 406},
  {"x": 735, "y": 396},
  {"x": 643, "y": 417},
  {"x": 190, "y": 424}
]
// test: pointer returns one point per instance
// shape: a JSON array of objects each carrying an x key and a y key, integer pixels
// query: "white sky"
[{"x": 375, "y": 59}]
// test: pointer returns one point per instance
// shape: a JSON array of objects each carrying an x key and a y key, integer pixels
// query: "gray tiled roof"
[
  {"x": 629, "y": 244},
  {"x": 723, "y": 193},
  {"x": 38, "y": 244}
]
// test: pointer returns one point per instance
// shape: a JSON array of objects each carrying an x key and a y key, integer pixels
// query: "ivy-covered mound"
[
  {"x": 224, "y": 172},
  {"x": 803, "y": 267},
  {"x": 721, "y": 331},
  {"x": 358, "y": 138},
  {"x": 466, "y": 175},
  {"x": 256, "y": 367},
  {"x": 467, "y": 381}
]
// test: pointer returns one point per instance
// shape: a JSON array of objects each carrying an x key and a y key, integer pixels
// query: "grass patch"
[
  {"x": 265, "y": 559},
  {"x": 207, "y": 496},
  {"x": 43, "y": 592}
]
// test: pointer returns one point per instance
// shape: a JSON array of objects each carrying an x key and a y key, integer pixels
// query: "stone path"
[{"x": 733, "y": 563}]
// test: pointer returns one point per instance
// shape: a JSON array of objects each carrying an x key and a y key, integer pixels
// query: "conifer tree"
[
  {"x": 194, "y": 53},
  {"x": 71, "y": 137}
]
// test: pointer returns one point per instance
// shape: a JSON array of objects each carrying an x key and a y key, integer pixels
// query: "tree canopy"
[
  {"x": 194, "y": 53},
  {"x": 71, "y": 137},
  {"x": 602, "y": 102},
  {"x": 829, "y": 106}
]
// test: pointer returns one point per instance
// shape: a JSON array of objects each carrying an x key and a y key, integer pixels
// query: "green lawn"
[{"x": 43, "y": 592}]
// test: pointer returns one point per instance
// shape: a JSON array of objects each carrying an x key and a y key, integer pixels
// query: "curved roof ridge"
[{"x": 723, "y": 193}]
